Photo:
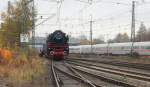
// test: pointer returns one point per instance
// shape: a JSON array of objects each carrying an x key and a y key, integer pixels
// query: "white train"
[{"x": 141, "y": 48}]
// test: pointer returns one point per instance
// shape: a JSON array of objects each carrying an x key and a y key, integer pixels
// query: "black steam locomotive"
[{"x": 56, "y": 45}]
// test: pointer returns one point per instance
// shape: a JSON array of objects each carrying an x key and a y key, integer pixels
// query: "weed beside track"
[{"x": 21, "y": 69}]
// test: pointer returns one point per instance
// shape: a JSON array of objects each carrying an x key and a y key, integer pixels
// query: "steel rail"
[
  {"x": 136, "y": 75},
  {"x": 109, "y": 80},
  {"x": 75, "y": 77},
  {"x": 54, "y": 75},
  {"x": 121, "y": 70},
  {"x": 106, "y": 79},
  {"x": 124, "y": 64},
  {"x": 79, "y": 75}
]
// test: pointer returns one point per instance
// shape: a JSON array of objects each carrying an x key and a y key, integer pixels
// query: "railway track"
[
  {"x": 124, "y": 64},
  {"x": 102, "y": 78},
  {"x": 77, "y": 78},
  {"x": 62, "y": 79},
  {"x": 74, "y": 79},
  {"x": 127, "y": 74},
  {"x": 57, "y": 80}
]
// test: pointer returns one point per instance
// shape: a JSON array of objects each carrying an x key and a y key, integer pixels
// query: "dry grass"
[{"x": 22, "y": 68}]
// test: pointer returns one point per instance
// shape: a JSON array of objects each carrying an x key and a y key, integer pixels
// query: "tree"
[
  {"x": 111, "y": 41},
  {"x": 141, "y": 33},
  {"x": 147, "y": 36},
  {"x": 125, "y": 37},
  {"x": 120, "y": 38},
  {"x": 97, "y": 41},
  {"x": 17, "y": 20}
]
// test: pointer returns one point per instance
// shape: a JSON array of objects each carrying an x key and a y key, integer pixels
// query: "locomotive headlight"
[
  {"x": 52, "y": 53},
  {"x": 50, "y": 49}
]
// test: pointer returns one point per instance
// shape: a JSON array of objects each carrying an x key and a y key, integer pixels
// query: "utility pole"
[
  {"x": 25, "y": 24},
  {"x": 9, "y": 13},
  {"x": 33, "y": 24},
  {"x": 9, "y": 6},
  {"x": 59, "y": 3},
  {"x": 133, "y": 27},
  {"x": 107, "y": 36},
  {"x": 91, "y": 34},
  {"x": 23, "y": 20}
]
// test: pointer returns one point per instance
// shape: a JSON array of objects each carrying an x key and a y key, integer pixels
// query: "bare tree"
[
  {"x": 98, "y": 41},
  {"x": 125, "y": 37},
  {"x": 148, "y": 35},
  {"x": 141, "y": 33},
  {"x": 120, "y": 38}
]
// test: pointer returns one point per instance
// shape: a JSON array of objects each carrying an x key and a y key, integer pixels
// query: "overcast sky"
[{"x": 109, "y": 16}]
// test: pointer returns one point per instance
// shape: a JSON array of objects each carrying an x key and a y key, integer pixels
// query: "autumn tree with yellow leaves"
[{"x": 16, "y": 20}]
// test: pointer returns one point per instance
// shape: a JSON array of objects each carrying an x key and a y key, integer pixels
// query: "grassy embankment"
[{"x": 19, "y": 67}]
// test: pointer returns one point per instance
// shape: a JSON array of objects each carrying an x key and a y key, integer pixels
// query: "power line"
[
  {"x": 133, "y": 27},
  {"x": 87, "y": 2},
  {"x": 45, "y": 20},
  {"x": 55, "y": 1},
  {"x": 52, "y": 7},
  {"x": 116, "y": 16},
  {"x": 111, "y": 29},
  {"x": 118, "y": 26},
  {"x": 118, "y": 3},
  {"x": 43, "y": 14}
]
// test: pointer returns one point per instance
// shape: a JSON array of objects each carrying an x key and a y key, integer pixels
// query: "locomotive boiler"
[{"x": 56, "y": 45}]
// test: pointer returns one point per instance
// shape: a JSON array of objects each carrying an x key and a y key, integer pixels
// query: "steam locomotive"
[{"x": 56, "y": 45}]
